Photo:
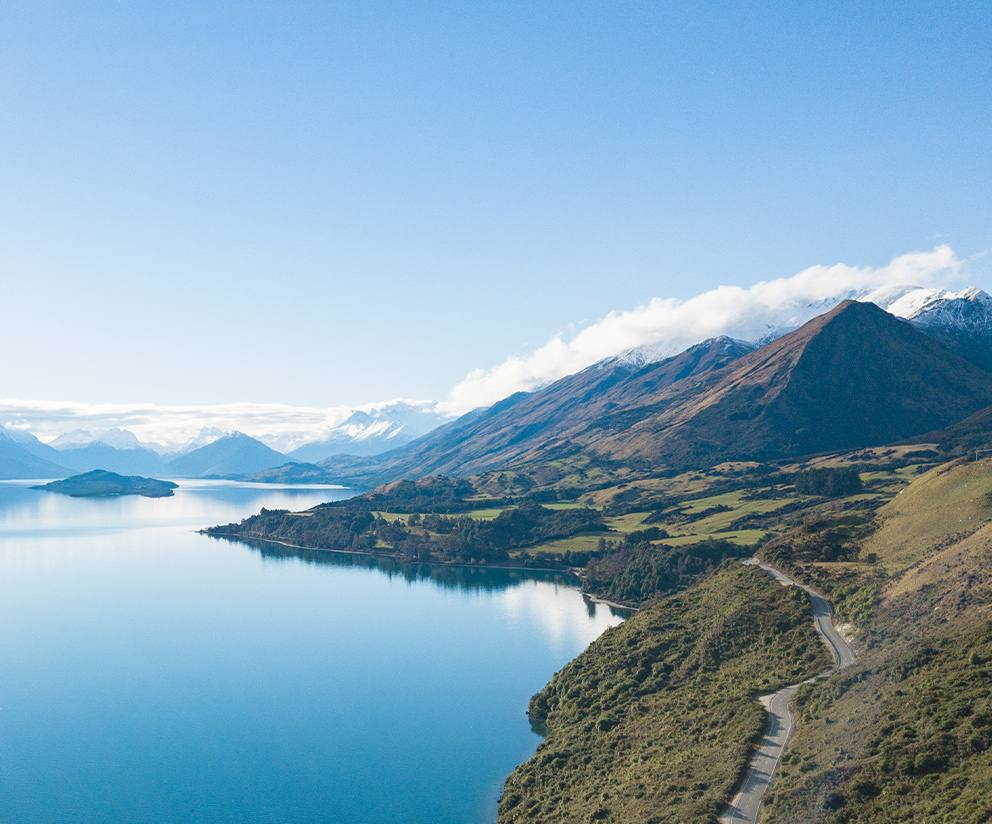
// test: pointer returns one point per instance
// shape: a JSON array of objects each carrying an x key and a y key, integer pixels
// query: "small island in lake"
[{"x": 103, "y": 484}]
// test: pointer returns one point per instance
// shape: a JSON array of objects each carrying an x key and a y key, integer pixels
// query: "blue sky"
[{"x": 329, "y": 203}]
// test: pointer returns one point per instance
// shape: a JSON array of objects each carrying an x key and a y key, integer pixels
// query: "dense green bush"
[
  {"x": 432, "y": 537},
  {"x": 638, "y": 573},
  {"x": 830, "y": 483},
  {"x": 656, "y": 720}
]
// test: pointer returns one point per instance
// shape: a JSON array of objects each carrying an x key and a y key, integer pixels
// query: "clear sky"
[{"x": 322, "y": 203}]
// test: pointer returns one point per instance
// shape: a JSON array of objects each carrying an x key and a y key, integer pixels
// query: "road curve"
[{"x": 744, "y": 808}]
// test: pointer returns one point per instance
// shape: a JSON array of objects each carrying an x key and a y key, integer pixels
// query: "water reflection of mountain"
[{"x": 443, "y": 575}]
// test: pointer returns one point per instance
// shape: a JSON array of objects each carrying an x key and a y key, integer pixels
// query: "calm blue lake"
[{"x": 152, "y": 674}]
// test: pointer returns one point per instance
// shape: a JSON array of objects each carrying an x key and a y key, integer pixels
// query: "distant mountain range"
[
  {"x": 230, "y": 456},
  {"x": 854, "y": 375},
  {"x": 115, "y": 450},
  {"x": 23, "y": 456},
  {"x": 372, "y": 431},
  {"x": 366, "y": 431}
]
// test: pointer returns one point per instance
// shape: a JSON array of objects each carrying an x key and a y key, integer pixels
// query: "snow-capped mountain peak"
[
  {"x": 364, "y": 431},
  {"x": 207, "y": 435},
  {"x": 968, "y": 311},
  {"x": 74, "y": 439},
  {"x": 115, "y": 438},
  {"x": 120, "y": 439},
  {"x": 643, "y": 355},
  {"x": 17, "y": 436}
]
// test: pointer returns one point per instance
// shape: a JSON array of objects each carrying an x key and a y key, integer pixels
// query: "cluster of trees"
[
  {"x": 435, "y": 494},
  {"x": 639, "y": 573},
  {"x": 830, "y": 483},
  {"x": 430, "y": 538}
]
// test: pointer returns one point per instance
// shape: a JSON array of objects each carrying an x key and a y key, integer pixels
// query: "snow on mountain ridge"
[
  {"x": 116, "y": 438},
  {"x": 643, "y": 355},
  {"x": 365, "y": 427},
  {"x": 969, "y": 310},
  {"x": 16, "y": 435},
  {"x": 206, "y": 436}
]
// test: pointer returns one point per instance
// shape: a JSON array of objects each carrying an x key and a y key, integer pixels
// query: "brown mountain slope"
[
  {"x": 853, "y": 377},
  {"x": 521, "y": 426}
]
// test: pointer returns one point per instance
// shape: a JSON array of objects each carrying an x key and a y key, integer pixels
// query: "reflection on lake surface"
[{"x": 152, "y": 674}]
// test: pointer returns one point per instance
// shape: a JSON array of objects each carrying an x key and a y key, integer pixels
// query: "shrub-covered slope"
[
  {"x": 906, "y": 733},
  {"x": 656, "y": 721}
]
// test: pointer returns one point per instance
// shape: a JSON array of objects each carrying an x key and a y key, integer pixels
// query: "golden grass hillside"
[{"x": 945, "y": 505}]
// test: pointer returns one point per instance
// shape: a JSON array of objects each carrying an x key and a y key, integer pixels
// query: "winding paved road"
[{"x": 744, "y": 808}]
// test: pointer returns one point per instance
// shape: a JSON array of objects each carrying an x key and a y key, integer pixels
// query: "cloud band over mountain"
[
  {"x": 667, "y": 326},
  {"x": 657, "y": 329}
]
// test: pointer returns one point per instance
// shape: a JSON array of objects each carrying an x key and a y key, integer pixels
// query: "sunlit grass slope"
[{"x": 946, "y": 504}]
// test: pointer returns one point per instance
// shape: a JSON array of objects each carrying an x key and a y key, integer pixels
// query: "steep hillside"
[
  {"x": 521, "y": 425},
  {"x": 854, "y": 377},
  {"x": 906, "y": 733},
  {"x": 24, "y": 456},
  {"x": 657, "y": 719},
  {"x": 949, "y": 502}
]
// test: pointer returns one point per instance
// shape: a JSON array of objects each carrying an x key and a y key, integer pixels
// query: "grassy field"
[
  {"x": 744, "y": 537},
  {"x": 947, "y": 503},
  {"x": 697, "y": 506},
  {"x": 576, "y": 543}
]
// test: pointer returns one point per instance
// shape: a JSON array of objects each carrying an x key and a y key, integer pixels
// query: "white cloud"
[{"x": 667, "y": 326}]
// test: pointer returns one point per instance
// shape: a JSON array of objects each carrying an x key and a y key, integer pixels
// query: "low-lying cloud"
[
  {"x": 280, "y": 425},
  {"x": 666, "y": 326}
]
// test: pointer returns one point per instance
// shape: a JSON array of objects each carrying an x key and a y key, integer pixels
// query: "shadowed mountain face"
[
  {"x": 17, "y": 462},
  {"x": 962, "y": 322},
  {"x": 231, "y": 456},
  {"x": 856, "y": 376},
  {"x": 98, "y": 455},
  {"x": 853, "y": 377},
  {"x": 24, "y": 456}
]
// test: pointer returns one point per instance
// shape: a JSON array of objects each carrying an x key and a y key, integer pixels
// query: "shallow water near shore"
[{"x": 152, "y": 674}]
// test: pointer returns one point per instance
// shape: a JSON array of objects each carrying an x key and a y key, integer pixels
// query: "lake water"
[{"x": 152, "y": 674}]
